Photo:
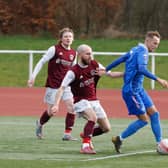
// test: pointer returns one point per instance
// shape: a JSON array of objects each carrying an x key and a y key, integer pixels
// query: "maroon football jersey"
[
  {"x": 84, "y": 85},
  {"x": 59, "y": 65}
]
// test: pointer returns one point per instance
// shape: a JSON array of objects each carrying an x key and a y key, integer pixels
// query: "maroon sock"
[
  {"x": 97, "y": 131},
  {"x": 44, "y": 117},
  {"x": 88, "y": 129},
  {"x": 69, "y": 122}
]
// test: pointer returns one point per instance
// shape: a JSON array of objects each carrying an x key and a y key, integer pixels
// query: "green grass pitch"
[{"x": 19, "y": 147}]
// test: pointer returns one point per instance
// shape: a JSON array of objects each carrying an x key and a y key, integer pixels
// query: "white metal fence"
[{"x": 32, "y": 52}]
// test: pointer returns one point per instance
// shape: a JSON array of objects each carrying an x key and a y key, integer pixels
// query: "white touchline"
[
  {"x": 27, "y": 156},
  {"x": 120, "y": 155}
]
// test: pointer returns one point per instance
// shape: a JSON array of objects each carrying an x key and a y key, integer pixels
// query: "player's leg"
[
  {"x": 134, "y": 126},
  {"x": 102, "y": 120},
  {"x": 44, "y": 118},
  {"x": 155, "y": 123},
  {"x": 67, "y": 97},
  {"x": 69, "y": 121},
  {"x": 49, "y": 99},
  {"x": 84, "y": 109},
  {"x": 103, "y": 125},
  {"x": 135, "y": 107},
  {"x": 87, "y": 146},
  {"x": 154, "y": 116}
]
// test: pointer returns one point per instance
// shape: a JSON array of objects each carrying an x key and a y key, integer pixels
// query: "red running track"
[{"x": 29, "y": 102}]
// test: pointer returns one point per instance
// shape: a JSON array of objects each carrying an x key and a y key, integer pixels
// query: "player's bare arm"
[
  {"x": 115, "y": 74},
  {"x": 65, "y": 83},
  {"x": 30, "y": 82},
  {"x": 55, "y": 107},
  {"x": 162, "y": 82},
  {"x": 111, "y": 74}
]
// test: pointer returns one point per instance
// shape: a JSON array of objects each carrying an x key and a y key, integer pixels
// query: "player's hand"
[
  {"x": 100, "y": 72},
  {"x": 54, "y": 109},
  {"x": 163, "y": 82},
  {"x": 30, "y": 83}
]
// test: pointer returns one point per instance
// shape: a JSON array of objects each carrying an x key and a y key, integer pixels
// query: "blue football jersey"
[
  {"x": 136, "y": 61},
  {"x": 133, "y": 79}
]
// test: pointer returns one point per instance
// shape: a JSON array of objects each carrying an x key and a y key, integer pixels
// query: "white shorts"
[
  {"x": 83, "y": 104},
  {"x": 51, "y": 93}
]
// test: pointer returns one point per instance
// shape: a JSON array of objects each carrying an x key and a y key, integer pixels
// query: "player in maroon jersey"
[
  {"x": 60, "y": 58},
  {"x": 83, "y": 78}
]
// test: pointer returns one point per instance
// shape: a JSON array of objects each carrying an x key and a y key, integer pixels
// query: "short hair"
[
  {"x": 82, "y": 48},
  {"x": 66, "y": 29},
  {"x": 151, "y": 34}
]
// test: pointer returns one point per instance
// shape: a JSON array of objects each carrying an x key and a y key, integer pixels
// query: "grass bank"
[{"x": 14, "y": 67}]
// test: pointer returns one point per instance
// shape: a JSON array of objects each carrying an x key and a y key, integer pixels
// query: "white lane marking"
[
  {"x": 120, "y": 155},
  {"x": 28, "y": 156}
]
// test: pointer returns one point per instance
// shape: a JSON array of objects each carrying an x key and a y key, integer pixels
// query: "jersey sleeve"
[
  {"x": 46, "y": 57},
  {"x": 69, "y": 77},
  {"x": 101, "y": 66},
  {"x": 146, "y": 72},
  {"x": 75, "y": 60},
  {"x": 117, "y": 61},
  {"x": 142, "y": 62},
  {"x": 142, "y": 58}
]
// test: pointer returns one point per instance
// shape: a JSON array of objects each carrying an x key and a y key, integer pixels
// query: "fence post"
[
  {"x": 153, "y": 70},
  {"x": 30, "y": 64}
]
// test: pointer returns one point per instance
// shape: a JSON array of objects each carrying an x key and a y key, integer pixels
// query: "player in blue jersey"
[{"x": 136, "y": 98}]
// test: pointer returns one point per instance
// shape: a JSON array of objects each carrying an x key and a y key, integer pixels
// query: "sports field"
[
  {"x": 21, "y": 106},
  {"x": 19, "y": 147}
]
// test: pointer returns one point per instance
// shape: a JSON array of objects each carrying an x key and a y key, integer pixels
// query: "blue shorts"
[{"x": 137, "y": 103}]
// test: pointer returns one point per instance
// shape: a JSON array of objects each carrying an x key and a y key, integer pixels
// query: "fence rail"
[{"x": 32, "y": 52}]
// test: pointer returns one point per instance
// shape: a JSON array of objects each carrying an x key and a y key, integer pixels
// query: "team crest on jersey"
[
  {"x": 71, "y": 57},
  {"x": 92, "y": 72},
  {"x": 60, "y": 53}
]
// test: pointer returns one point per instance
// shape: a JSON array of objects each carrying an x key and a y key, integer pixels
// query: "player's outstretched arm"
[
  {"x": 115, "y": 74},
  {"x": 102, "y": 72},
  {"x": 118, "y": 61}
]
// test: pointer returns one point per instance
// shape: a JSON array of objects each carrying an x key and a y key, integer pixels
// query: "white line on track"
[
  {"x": 120, "y": 155},
  {"x": 28, "y": 156}
]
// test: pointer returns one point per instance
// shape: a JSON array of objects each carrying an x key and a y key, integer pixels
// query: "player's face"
[
  {"x": 86, "y": 56},
  {"x": 67, "y": 39},
  {"x": 153, "y": 43}
]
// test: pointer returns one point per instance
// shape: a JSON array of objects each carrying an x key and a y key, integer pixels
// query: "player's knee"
[
  {"x": 155, "y": 116},
  {"x": 70, "y": 109},
  {"x": 93, "y": 118},
  {"x": 144, "y": 123},
  {"x": 51, "y": 114},
  {"x": 107, "y": 129}
]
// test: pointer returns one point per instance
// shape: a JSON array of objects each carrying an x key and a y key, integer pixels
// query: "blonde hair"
[
  {"x": 66, "y": 29},
  {"x": 151, "y": 34}
]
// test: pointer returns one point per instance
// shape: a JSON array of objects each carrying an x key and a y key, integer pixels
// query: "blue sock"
[
  {"x": 156, "y": 127},
  {"x": 133, "y": 128}
]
